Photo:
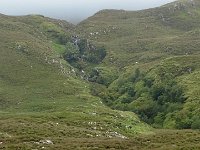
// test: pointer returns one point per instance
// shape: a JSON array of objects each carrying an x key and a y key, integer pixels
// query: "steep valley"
[{"x": 118, "y": 80}]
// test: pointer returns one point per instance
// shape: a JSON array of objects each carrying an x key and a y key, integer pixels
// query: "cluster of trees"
[
  {"x": 78, "y": 51},
  {"x": 158, "y": 102},
  {"x": 82, "y": 51},
  {"x": 102, "y": 75}
]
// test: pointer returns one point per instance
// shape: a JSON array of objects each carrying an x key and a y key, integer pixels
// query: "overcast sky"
[{"x": 72, "y": 10}]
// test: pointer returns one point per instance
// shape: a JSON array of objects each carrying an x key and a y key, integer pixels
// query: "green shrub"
[
  {"x": 156, "y": 101},
  {"x": 195, "y": 122}
]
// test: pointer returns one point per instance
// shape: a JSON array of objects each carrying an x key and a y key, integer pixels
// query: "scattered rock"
[
  {"x": 46, "y": 142},
  {"x": 92, "y": 123},
  {"x": 73, "y": 70},
  {"x": 94, "y": 113},
  {"x": 36, "y": 143},
  {"x": 93, "y": 105},
  {"x": 190, "y": 70},
  {"x": 89, "y": 135},
  {"x": 115, "y": 134},
  {"x": 19, "y": 46}
]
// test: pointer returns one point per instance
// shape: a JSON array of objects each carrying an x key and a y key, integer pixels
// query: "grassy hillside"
[
  {"x": 56, "y": 80},
  {"x": 147, "y": 35},
  {"x": 41, "y": 98},
  {"x": 163, "y": 44}
]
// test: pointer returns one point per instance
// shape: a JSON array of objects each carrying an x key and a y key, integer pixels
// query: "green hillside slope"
[
  {"x": 41, "y": 98},
  {"x": 147, "y": 35},
  {"x": 92, "y": 86},
  {"x": 155, "y": 55}
]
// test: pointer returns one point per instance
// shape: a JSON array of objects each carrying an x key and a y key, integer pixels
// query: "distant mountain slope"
[
  {"x": 163, "y": 44},
  {"x": 147, "y": 35}
]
